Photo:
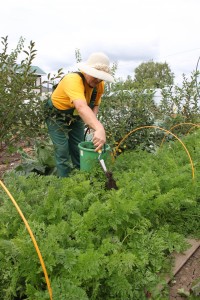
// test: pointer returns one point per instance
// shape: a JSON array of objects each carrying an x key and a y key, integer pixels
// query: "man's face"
[{"x": 92, "y": 81}]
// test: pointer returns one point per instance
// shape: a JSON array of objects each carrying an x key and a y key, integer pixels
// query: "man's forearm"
[
  {"x": 95, "y": 110},
  {"x": 87, "y": 115}
]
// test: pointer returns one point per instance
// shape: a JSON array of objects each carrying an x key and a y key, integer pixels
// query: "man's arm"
[
  {"x": 89, "y": 117},
  {"x": 95, "y": 110}
]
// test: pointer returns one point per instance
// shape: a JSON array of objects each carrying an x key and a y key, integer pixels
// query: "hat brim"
[{"x": 94, "y": 72}]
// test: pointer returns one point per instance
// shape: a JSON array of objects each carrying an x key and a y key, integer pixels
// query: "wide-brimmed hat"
[{"x": 97, "y": 66}]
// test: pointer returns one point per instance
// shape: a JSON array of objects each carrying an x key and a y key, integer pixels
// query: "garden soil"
[
  {"x": 182, "y": 280},
  {"x": 186, "y": 276}
]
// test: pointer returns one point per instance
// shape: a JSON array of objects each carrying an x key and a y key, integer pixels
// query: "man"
[{"x": 70, "y": 107}]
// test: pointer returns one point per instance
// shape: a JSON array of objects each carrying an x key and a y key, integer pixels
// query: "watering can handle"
[{"x": 86, "y": 132}]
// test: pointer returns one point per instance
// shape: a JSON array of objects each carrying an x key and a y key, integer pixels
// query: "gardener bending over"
[{"x": 75, "y": 101}]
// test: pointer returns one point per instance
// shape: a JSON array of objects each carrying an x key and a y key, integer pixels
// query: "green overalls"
[{"x": 66, "y": 132}]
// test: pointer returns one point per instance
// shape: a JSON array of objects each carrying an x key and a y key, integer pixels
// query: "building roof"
[{"x": 37, "y": 70}]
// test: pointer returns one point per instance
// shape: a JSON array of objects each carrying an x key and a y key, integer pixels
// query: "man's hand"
[
  {"x": 91, "y": 120},
  {"x": 99, "y": 138}
]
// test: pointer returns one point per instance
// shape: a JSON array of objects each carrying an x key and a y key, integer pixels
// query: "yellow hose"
[
  {"x": 167, "y": 131},
  {"x": 32, "y": 237},
  {"x": 195, "y": 125}
]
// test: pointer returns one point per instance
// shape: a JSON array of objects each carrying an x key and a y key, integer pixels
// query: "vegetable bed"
[{"x": 99, "y": 244}]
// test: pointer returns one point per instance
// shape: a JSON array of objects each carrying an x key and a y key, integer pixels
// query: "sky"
[{"x": 130, "y": 32}]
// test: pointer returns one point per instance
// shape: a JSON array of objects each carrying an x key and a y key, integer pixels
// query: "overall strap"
[{"x": 94, "y": 92}]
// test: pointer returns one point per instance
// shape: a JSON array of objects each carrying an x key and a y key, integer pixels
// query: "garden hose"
[
  {"x": 32, "y": 237},
  {"x": 160, "y": 128},
  {"x": 180, "y": 124}
]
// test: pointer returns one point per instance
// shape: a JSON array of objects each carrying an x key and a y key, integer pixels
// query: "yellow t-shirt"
[{"x": 71, "y": 88}]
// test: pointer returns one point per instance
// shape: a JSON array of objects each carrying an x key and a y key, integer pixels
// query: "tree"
[
  {"x": 21, "y": 108},
  {"x": 17, "y": 96},
  {"x": 153, "y": 75}
]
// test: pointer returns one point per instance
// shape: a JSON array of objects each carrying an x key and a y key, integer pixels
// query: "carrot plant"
[{"x": 99, "y": 244}]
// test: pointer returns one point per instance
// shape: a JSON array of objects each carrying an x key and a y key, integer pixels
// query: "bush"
[
  {"x": 21, "y": 107},
  {"x": 124, "y": 111}
]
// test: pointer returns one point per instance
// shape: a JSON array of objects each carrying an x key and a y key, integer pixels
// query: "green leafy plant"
[
  {"x": 42, "y": 162},
  {"x": 21, "y": 105},
  {"x": 123, "y": 111},
  {"x": 100, "y": 244},
  {"x": 16, "y": 87}
]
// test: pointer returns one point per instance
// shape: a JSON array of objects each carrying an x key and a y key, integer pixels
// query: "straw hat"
[{"x": 97, "y": 66}]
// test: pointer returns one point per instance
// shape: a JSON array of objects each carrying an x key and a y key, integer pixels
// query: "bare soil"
[
  {"x": 186, "y": 276},
  {"x": 8, "y": 162},
  {"x": 182, "y": 280}
]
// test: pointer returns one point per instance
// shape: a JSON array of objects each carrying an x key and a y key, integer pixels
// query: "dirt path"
[{"x": 186, "y": 276}]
